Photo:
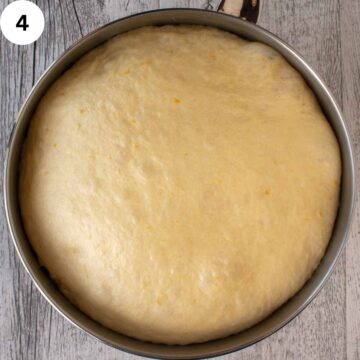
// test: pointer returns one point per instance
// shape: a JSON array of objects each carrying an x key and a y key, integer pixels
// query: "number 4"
[{"x": 22, "y": 23}]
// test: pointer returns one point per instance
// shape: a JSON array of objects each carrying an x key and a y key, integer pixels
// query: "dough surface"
[{"x": 180, "y": 183}]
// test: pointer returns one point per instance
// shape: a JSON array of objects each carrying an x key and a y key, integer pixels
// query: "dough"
[{"x": 180, "y": 183}]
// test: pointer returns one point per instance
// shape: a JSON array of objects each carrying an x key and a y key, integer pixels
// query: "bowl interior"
[{"x": 281, "y": 316}]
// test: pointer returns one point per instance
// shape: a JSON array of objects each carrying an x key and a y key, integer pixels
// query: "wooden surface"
[{"x": 326, "y": 33}]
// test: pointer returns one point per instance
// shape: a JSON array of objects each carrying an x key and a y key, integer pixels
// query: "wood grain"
[
  {"x": 326, "y": 33},
  {"x": 350, "y": 52}
]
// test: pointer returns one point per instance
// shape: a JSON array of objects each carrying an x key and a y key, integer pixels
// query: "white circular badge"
[{"x": 22, "y": 22}]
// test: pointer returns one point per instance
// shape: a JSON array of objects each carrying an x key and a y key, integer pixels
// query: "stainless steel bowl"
[{"x": 281, "y": 316}]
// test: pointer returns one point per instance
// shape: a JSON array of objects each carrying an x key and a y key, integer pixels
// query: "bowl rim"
[{"x": 12, "y": 210}]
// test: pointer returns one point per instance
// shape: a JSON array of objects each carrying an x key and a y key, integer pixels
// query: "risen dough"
[{"x": 180, "y": 183}]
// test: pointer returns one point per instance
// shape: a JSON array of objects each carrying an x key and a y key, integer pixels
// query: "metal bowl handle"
[{"x": 245, "y": 9}]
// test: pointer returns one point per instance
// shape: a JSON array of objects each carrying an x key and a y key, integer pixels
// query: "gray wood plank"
[
  {"x": 16, "y": 78},
  {"x": 118, "y": 9},
  {"x": 326, "y": 33},
  {"x": 174, "y": 4},
  {"x": 350, "y": 49}
]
